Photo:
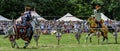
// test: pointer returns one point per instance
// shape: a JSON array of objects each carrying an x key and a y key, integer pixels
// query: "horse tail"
[{"x": 9, "y": 31}]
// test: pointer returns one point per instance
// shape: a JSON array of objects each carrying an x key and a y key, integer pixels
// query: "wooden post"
[
  {"x": 58, "y": 36},
  {"x": 115, "y": 31}
]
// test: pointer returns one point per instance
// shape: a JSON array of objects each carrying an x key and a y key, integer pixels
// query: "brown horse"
[
  {"x": 94, "y": 30},
  {"x": 15, "y": 33}
]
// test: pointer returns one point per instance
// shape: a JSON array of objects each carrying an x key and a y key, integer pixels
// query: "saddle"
[
  {"x": 18, "y": 29},
  {"x": 23, "y": 27}
]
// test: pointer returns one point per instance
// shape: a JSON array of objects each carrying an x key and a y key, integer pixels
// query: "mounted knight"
[
  {"x": 24, "y": 29},
  {"x": 25, "y": 25}
]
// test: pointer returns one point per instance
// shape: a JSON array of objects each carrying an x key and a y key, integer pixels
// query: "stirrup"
[{"x": 28, "y": 34}]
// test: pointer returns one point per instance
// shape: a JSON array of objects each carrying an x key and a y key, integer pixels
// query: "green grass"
[{"x": 67, "y": 43}]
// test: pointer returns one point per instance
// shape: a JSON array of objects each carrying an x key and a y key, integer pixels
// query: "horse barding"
[
  {"x": 95, "y": 30},
  {"x": 14, "y": 33},
  {"x": 113, "y": 28}
]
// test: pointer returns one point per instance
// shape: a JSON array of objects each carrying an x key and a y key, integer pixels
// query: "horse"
[
  {"x": 113, "y": 29},
  {"x": 15, "y": 33},
  {"x": 94, "y": 30}
]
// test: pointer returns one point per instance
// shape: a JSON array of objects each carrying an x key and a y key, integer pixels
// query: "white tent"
[
  {"x": 105, "y": 18},
  {"x": 33, "y": 13},
  {"x": 4, "y": 19},
  {"x": 69, "y": 17},
  {"x": 19, "y": 19}
]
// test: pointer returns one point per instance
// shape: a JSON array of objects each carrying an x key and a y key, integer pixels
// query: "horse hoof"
[
  {"x": 18, "y": 47},
  {"x": 13, "y": 47},
  {"x": 24, "y": 47}
]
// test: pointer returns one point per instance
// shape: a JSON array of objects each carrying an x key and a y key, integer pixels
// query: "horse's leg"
[
  {"x": 98, "y": 35},
  {"x": 91, "y": 37},
  {"x": 103, "y": 40},
  {"x": 77, "y": 35},
  {"x": 13, "y": 43},
  {"x": 12, "y": 39},
  {"x": 26, "y": 44},
  {"x": 115, "y": 36},
  {"x": 36, "y": 43},
  {"x": 106, "y": 36},
  {"x": 106, "y": 39},
  {"x": 116, "y": 39},
  {"x": 36, "y": 38},
  {"x": 28, "y": 39},
  {"x": 87, "y": 37},
  {"x": 78, "y": 41},
  {"x": 98, "y": 40},
  {"x": 90, "y": 40}
]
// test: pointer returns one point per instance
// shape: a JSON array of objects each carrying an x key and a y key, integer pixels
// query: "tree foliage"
[{"x": 13, "y": 8}]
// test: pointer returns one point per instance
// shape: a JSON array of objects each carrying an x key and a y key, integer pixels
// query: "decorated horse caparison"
[
  {"x": 95, "y": 30},
  {"x": 15, "y": 33}
]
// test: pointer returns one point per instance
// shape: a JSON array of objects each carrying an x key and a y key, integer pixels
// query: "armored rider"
[
  {"x": 26, "y": 17},
  {"x": 97, "y": 15}
]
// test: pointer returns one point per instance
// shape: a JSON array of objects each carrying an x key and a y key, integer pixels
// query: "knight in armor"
[
  {"x": 97, "y": 15},
  {"x": 23, "y": 19},
  {"x": 26, "y": 17}
]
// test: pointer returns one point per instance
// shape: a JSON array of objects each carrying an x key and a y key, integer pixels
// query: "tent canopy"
[
  {"x": 4, "y": 19},
  {"x": 69, "y": 17},
  {"x": 33, "y": 13},
  {"x": 105, "y": 18}
]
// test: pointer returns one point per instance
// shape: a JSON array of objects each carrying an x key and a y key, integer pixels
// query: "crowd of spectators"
[
  {"x": 64, "y": 26},
  {"x": 69, "y": 26},
  {"x": 3, "y": 26}
]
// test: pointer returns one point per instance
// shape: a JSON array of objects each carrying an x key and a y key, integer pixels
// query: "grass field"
[{"x": 67, "y": 43}]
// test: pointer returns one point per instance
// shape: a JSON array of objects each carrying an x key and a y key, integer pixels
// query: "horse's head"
[
  {"x": 36, "y": 21},
  {"x": 35, "y": 17}
]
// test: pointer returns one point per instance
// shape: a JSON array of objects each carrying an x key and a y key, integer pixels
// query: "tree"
[
  {"x": 80, "y": 8},
  {"x": 11, "y": 8}
]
